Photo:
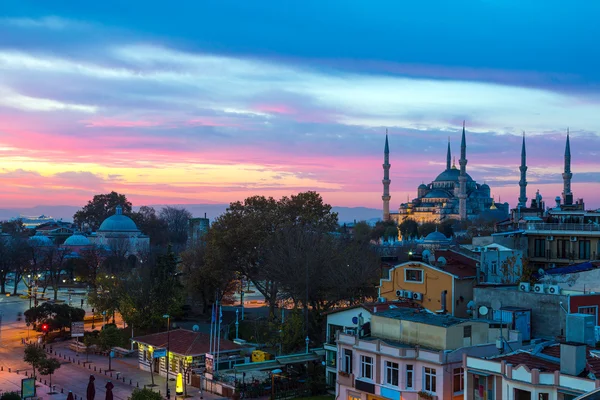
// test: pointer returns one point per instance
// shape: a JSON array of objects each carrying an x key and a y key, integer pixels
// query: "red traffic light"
[{"x": 45, "y": 327}]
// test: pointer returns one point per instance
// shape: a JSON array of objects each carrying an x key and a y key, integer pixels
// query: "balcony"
[{"x": 542, "y": 226}]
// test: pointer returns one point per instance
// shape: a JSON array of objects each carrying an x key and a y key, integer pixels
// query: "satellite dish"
[
  {"x": 496, "y": 304},
  {"x": 541, "y": 271},
  {"x": 483, "y": 310},
  {"x": 355, "y": 320},
  {"x": 470, "y": 305},
  {"x": 195, "y": 328},
  {"x": 442, "y": 261},
  {"x": 426, "y": 254}
]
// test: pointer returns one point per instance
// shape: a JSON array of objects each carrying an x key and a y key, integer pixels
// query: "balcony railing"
[{"x": 542, "y": 226}]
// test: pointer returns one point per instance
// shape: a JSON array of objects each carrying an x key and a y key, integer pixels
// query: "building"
[
  {"x": 120, "y": 235},
  {"x": 197, "y": 228},
  {"x": 549, "y": 371},
  {"x": 452, "y": 195},
  {"x": 446, "y": 287},
  {"x": 558, "y": 236},
  {"x": 187, "y": 352},
  {"x": 350, "y": 320},
  {"x": 412, "y": 354},
  {"x": 497, "y": 263},
  {"x": 584, "y": 277},
  {"x": 549, "y": 305}
]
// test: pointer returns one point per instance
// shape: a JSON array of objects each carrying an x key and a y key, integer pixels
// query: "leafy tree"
[
  {"x": 150, "y": 224},
  {"x": 106, "y": 297},
  {"x": 10, "y": 396},
  {"x": 87, "y": 267},
  {"x": 109, "y": 337},
  {"x": 201, "y": 280},
  {"x": 57, "y": 316},
  {"x": 408, "y": 228},
  {"x": 13, "y": 259},
  {"x": 89, "y": 341},
  {"x": 99, "y": 208},
  {"x": 426, "y": 228},
  {"x": 362, "y": 231},
  {"x": 239, "y": 239},
  {"x": 35, "y": 356},
  {"x": 145, "y": 394},
  {"x": 384, "y": 229},
  {"x": 148, "y": 293},
  {"x": 177, "y": 220},
  {"x": 48, "y": 366},
  {"x": 447, "y": 227},
  {"x": 15, "y": 227}
]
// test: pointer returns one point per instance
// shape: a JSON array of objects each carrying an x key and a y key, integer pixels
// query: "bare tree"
[{"x": 177, "y": 220}]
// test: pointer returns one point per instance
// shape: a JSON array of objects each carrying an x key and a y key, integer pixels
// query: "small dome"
[
  {"x": 118, "y": 223},
  {"x": 40, "y": 240},
  {"x": 437, "y": 194},
  {"x": 485, "y": 186},
  {"x": 77, "y": 240},
  {"x": 422, "y": 186},
  {"x": 436, "y": 237}
]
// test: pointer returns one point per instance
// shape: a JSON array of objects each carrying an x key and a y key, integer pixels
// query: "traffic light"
[{"x": 45, "y": 328}]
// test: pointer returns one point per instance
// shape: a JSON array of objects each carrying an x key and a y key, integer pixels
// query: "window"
[
  {"x": 539, "y": 248},
  {"x": 483, "y": 388},
  {"x": 366, "y": 367},
  {"x": 347, "y": 367},
  {"x": 409, "y": 377},
  {"x": 413, "y": 275},
  {"x": 391, "y": 373},
  {"x": 584, "y": 249},
  {"x": 467, "y": 331},
  {"x": 562, "y": 248},
  {"x": 332, "y": 331},
  {"x": 458, "y": 381},
  {"x": 494, "y": 268},
  {"x": 352, "y": 396},
  {"x": 543, "y": 396},
  {"x": 591, "y": 310},
  {"x": 429, "y": 379}
]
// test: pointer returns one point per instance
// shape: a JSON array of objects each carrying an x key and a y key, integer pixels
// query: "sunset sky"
[{"x": 214, "y": 101}]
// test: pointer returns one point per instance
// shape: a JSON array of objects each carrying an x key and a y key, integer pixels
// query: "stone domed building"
[
  {"x": 453, "y": 194},
  {"x": 77, "y": 243},
  {"x": 119, "y": 233}
]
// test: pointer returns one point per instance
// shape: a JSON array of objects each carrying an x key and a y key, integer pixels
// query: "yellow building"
[{"x": 445, "y": 288}]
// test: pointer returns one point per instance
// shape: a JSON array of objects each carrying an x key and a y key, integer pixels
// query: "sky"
[{"x": 214, "y": 101}]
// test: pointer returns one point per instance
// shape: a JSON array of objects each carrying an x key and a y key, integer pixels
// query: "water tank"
[{"x": 580, "y": 329}]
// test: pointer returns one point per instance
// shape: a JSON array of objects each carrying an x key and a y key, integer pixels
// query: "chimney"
[{"x": 572, "y": 358}]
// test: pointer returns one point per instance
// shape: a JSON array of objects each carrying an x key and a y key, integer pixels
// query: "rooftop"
[
  {"x": 458, "y": 264},
  {"x": 184, "y": 342},
  {"x": 422, "y": 317},
  {"x": 377, "y": 306},
  {"x": 521, "y": 357}
]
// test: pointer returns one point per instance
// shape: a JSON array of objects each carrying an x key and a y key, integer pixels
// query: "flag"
[{"x": 214, "y": 316}]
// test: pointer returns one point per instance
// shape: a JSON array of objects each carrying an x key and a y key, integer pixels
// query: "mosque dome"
[
  {"x": 118, "y": 223},
  {"x": 437, "y": 194},
  {"x": 77, "y": 240},
  {"x": 436, "y": 237},
  {"x": 451, "y": 175},
  {"x": 485, "y": 186},
  {"x": 422, "y": 186},
  {"x": 40, "y": 240}
]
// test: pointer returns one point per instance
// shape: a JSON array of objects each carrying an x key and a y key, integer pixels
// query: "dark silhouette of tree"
[
  {"x": 177, "y": 220},
  {"x": 152, "y": 225},
  {"x": 34, "y": 355},
  {"x": 48, "y": 366},
  {"x": 99, "y": 208}
]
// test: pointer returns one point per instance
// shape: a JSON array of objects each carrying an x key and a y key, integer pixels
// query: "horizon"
[{"x": 213, "y": 103}]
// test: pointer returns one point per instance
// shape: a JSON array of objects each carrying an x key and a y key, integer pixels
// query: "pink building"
[{"x": 413, "y": 355}]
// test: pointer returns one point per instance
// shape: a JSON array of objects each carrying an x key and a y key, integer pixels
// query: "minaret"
[
  {"x": 523, "y": 181},
  {"x": 567, "y": 175},
  {"x": 448, "y": 156},
  {"x": 386, "y": 180},
  {"x": 462, "y": 178}
]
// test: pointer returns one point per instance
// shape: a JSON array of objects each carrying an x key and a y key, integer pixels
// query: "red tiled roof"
[
  {"x": 184, "y": 342},
  {"x": 458, "y": 264},
  {"x": 592, "y": 361},
  {"x": 530, "y": 361}
]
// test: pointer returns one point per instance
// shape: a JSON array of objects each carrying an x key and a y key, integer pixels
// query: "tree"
[
  {"x": 89, "y": 341},
  {"x": 362, "y": 231},
  {"x": 55, "y": 262},
  {"x": 150, "y": 224},
  {"x": 34, "y": 355},
  {"x": 385, "y": 230},
  {"x": 13, "y": 259},
  {"x": 57, "y": 316},
  {"x": 145, "y": 394},
  {"x": 10, "y": 396},
  {"x": 408, "y": 228},
  {"x": 177, "y": 220},
  {"x": 87, "y": 267},
  {"x": 426, "y": 228},
  {"x": 99, "y": 208},
  {"x": 240, "y": 237},
  {"x": 48, "y": 366},
  {"x": 110, "y": 336}
]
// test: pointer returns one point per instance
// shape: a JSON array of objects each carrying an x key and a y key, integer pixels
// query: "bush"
[
  {"x": 11, "y": 396},
  {"x": 145, "y": 394}
]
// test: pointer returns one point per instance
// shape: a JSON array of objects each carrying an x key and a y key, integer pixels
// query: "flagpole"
[
  {"x": 212, "y": 320},
  {"x": 219, "y": 336}
]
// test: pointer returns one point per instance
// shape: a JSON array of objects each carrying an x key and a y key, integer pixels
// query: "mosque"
[{"x": 452, "y": 195}]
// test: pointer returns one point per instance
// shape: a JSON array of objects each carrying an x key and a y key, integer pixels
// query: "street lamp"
[
  {"x": 237, "y": 323},
  {"x": 168, "y": 317},
  {"x": 274, "y": 373},
  {"x": 307, "y": 340}
]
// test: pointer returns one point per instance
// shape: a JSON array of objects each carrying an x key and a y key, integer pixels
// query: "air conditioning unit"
[
  {"x": 554, "y": 289},
  {"x": 381, "y": 299},
  {"x": 417, "y": 296},
  {"x": 538, "y": 288},
  {"x": 573, "y": 238},
  {"x": 550, "y": 238},
  {"x": 408, "y": 294},
  {"x": 399, "y": 293},
  {"x": 524, "y": 286}
]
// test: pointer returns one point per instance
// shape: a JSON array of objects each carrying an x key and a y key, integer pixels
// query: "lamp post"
[
  {"x": 307, "y": 340},
  {"x": 168, "y": 317}
]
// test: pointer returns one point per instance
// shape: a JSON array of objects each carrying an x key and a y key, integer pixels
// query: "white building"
[{"x": 120, "y": 235}]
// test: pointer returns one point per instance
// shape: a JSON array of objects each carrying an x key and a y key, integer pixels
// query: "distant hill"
[{"x": 345, "y": 214}]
